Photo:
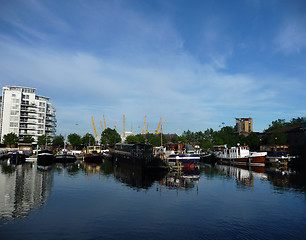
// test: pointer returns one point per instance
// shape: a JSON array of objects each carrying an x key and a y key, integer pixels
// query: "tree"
[
  {"x": 110, "y": 137},
  {"x": 28, "y": 139},
  {"x": 88, "y": 139},
  {"x": 253, "y": 141},
  {"x": 135, "y": 139},
  {"x": 10, "y": 139},
  {"x": 43, "y": 140},
  {"x": 59, "y": 141},
  {"x": 75, "y": 139}
]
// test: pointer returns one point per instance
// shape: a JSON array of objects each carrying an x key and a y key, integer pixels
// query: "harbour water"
[{"x": 88, "y": 201}]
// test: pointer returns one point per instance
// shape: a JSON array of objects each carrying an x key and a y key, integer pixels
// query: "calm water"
[{"x": 121, "y": 202}]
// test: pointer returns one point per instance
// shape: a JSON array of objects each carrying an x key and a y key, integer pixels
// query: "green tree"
[
  {"x": 75, "y": 140},
  {"x": 43, "y": 140},
  {"x": 28, "y": 139},
  {"x": 204, "y": 144},
  {"x": 110, "y": 137},
  {"x": 88, "y": 139},
  {"x": 253, "y": 141},
  {"x": 135, "y": 139},
  {"x": 10, "y": 139},
  {"x": 155, "y": 139},
  {"x": 59, "y": 141}
]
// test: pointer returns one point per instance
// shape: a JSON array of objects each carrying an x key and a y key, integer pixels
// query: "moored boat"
[
  {"x": 4, "y": 154},
  {"x": 242, "y": 155},
  {"x": 208, "y": 157},
  {"x": 17, "y": 157},
  {"x": 45, "y": 158},
  {"x": 181, "y": 153},
  {"x": 65, "y": 158},
  {"x": 93, "y": 158},
  {"x": 136, "y": 153}
]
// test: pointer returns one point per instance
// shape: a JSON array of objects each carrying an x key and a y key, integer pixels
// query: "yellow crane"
[
  {"x": 115, "y": 126},
  {"x": 132, "y": 127},
  {"x": 104, "y": 122},
  {"x": 94, "y": 127},
  {"x": 101, "y": 125},
  {"x": 144, "y": 124},
  {"x": 162, "y": 130},
  {"x": 157, "y": 130},
  {"x": 123, "y": 125},
  {"x": 147, "y": 128}
]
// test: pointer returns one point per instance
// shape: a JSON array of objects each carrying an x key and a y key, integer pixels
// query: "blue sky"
[{"x": 195, "y": 64}]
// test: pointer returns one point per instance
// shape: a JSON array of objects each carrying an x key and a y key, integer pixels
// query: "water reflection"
[
  {"x": 26, "y": 187},
  {"x": 137, "y": 177},
  {"x": 185, "y": 179},
  {"x": 22, "y": 188},
  {"x": 281, "y": 177}
]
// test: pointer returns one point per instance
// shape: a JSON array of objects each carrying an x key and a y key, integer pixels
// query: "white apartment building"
[{"x": 26, "y": 114}]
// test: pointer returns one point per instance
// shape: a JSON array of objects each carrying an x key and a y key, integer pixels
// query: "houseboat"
[
  {"x": 183, "y": 153},
  {"x": 65, "y": 157},
  {"x": 278, "y": 154},
  {"x": 137, "y": 153},
  {"x": 242, "y": 155}
]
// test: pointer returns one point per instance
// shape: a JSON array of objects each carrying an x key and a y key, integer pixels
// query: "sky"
[{"x": 195, "y": 64}]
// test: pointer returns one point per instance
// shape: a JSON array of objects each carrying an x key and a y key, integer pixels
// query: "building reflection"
[{"x": 22, "y": 188}]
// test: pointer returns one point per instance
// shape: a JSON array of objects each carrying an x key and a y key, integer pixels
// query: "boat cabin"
[
  {"x": 138, "y": 150},
  {"x": 235, "y": 152},
  {"x": 179, "y": 148}
]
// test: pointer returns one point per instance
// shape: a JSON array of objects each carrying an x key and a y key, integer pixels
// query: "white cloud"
[
  {"x": 185, "y": 92},
  {"x": 291, "y": 37}
]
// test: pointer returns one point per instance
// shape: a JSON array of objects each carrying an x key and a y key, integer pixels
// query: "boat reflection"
[
  {"x": 282, "y": 178},
  {"x": 244, "y": 175},
  {"x": 136, "y": 176},
  {"x": 184, "y": 179},
  {"x": 22, "y": 188}
]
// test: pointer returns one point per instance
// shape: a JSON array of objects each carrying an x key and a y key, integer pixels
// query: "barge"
[{"x": 136, "y": 154}]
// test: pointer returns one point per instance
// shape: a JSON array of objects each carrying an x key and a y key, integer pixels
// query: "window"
[
  {"x": 14, "y": 112},
  {"x": 14, "y": 119},
  {"x": 14, "y": 130},
  {"x": 13, "y": 124}
]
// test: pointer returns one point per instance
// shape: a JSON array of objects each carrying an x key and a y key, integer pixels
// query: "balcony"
[
  {"x": 24, "y": 133},
  {"x": 28, "y": 116},
  {"x": 28, "y": 110},
  {"x": 27, "y": 104},
  {"x": 25, "y": 127}
]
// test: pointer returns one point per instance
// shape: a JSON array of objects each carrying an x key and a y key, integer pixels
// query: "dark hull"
[
  {"x": 127, "y": 158},
  {"x": 65, "y": 158},
  {"x": 93, "y": 158},
  {"x": 45, "y": 159},
  {"x": 17, "y": 159},
  {"x": 184, "y": 158},
  {"x": 210, "y": 159}
]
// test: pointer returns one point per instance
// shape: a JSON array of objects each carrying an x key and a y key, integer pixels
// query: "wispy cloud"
[
  {"x": 291, "y": 36},
  {"x": 110, "y": 58}
]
